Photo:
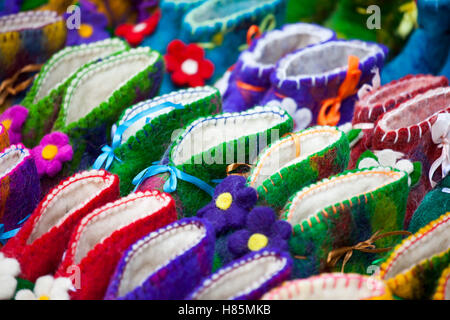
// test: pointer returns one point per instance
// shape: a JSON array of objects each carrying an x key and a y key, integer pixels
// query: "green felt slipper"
[
  {"x": 203, "y": 151},
  {"x": 334, "y": 218},
  {"x": 44, "y": 99},
  {"x": 145, "y": 131},
  {"x": 296, "y": 161}
]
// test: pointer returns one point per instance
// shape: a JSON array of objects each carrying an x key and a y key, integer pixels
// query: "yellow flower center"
[
  {"x": 257, "y": 241},
  {"x": 86, "y": 30},
  {"x": 44, "y": 298},
  {"x": 49, "y": 152},
  {"x": 224, "y": 201},
  {"x": 7, "y": 123}
]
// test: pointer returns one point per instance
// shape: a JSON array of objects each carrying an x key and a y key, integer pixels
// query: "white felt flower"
[
  {"x": 388, "y": 158},
  {"x": 47, "y": 288},
  {"x": 9, "y": 270},
  {"x": 367, "y": 88},
  {"x": 302, "y": 117}
]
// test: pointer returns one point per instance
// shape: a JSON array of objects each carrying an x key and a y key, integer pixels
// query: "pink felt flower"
[
  {"x": 51, "y": 153},
  {"x": 13, "y": 119}
]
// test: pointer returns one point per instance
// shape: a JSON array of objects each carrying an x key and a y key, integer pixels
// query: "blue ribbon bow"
[
  {"x": 4, "y": 236},
  {"x": 108, "y": 156},
  {"x": 171, "y": 184}
]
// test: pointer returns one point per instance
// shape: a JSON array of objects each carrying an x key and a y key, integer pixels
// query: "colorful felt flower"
[
  {"x": 262, "y": 231},
  {"x": 13, "y": 119},
  {"x": 47, "y": 288},
  {"x": 187, "y": 64},
  {"x": 9, "y": 270},
  {"x": 302, "y": 117},
  {"x": 230, "y": 205},
  {"x": 92, "y": 28},
  {"x": 135, "y": 34},
  {"x": 51, "y": 153}
]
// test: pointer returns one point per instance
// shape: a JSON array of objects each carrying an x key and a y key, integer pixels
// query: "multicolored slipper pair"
[
  {"x": 80, "y": 231},
  {"x": 145, "y": 130}
]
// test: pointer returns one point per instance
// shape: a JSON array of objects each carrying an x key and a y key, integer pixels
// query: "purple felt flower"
[
  {"x": 230, "y": 205},
  {"x": 51, "y": 153},
  {"x": 262, "y": 231},
  {"x": 92, "y": 28},
  {"x": 13, "y": 119}
]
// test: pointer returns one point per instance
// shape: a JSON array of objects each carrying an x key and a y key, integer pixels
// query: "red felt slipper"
[
  {"x": 100, "y": 239},
  {"x": 41, "y": 242}
]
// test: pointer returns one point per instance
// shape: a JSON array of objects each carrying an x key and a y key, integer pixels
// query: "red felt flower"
[
  {"x": 187, "y": 64},
  {"x": 135, "y": 34}
]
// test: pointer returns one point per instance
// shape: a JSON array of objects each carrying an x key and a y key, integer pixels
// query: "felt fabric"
[
  {"x": 18, "y": 181},
  {"x": 342, "y": 211},
  {"x": 413, "y": 268},
  {"x": 410, "y": 135},
  {"x": 247, "y": 278},
  {"x": 29, "y": 38},
  {"x": 150, "y": 141},
  {"x": 433, "y": 205},
  {"x": 250, "y": 77},
  {"x": 4, "y": 138},
  {"x": 310, "y": 11},
  {"x": 443, "y": 289},
  {"x": 166, "y": 264},
  {"x": 279, "y": 172},
  {"x": 226, "y": 138},
  {"x": 41, "y": 242},
  {"x": 44, "y": 98},
  {"x": 100, "y": 239},
  {"x": 314, "y": 74},
  {"x": 331, "y": 286}
]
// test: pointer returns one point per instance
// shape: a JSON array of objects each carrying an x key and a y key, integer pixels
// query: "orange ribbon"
[
  {"x": 253, "y": 33},
  {"x": 329, "y": 114},
  {"x": 365, "y": 246},
  {"x": 7, "y": 87},
  {"x": 235, "y": 166},
  {"x": 246, "y": 86},
  {"x": 296, "y": 140}
]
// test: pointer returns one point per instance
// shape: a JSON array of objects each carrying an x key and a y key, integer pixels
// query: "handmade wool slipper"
[
  {"x": 205, "y": 148},
  {"x": 19, "y": 181},
  {"x": 29, "y": 38},
  {"x": 250, "y": 77},
  {"x": 435, "y": 204},
  {"x": 100, "y": 239},
  {"x": 169, "y": 26},
  {"x": 297, "y": 160},
  {"x": 42, "y": 240},
  {"x": 44, "y": 99},
  {"x": 443, "y": 288},
  {"x": 87, "y": 115},
  {"x": 331, "y": 286},
  {"x": 411, "y": 129},
  {"x": 218, "y": 25},
  {"x": 412, "y": 270},
  {"x": 166, "y": 264},
  {"x": 324, "y": 79},
  {"x": 247, "y": 278},
  {"x": 339, "y": 215},
  {"x": 4, "y": 138},
  {"x": 145, "y": 131}
]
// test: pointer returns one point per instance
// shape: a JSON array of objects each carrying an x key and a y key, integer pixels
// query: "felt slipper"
[
  {"x": 331, "y": 286},
  {"x": 29, "y": 37},
  {"x": 296, "y": 161},
  {"x": 247, "y": 278},
  {"x": 443, "y": 289},
  {"x": 345, "y": 211},
  {"x": 166, "y": 264},
  {"x": 225, "y": 139},
  {"x": 44, "y": 99},
  {"x": 325, "y": 78},
  {"x": 250, "y": 77},
  {"x": 19, "y": 181},
  {"x": 100, "y": 239},
  {"x": 144, "y": 131},
  {"x": 412, "y": 270},
  {"x": 41, "y": 242}
]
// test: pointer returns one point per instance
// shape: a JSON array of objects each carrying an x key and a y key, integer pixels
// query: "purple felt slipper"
[
  {"x": 247, "y": 278},
  {"x": 321, "y": 82},
  {"x": 19, "y": 181},
  {"x": 250, "y": 78},
  {"x": 167, "y": 264}
]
